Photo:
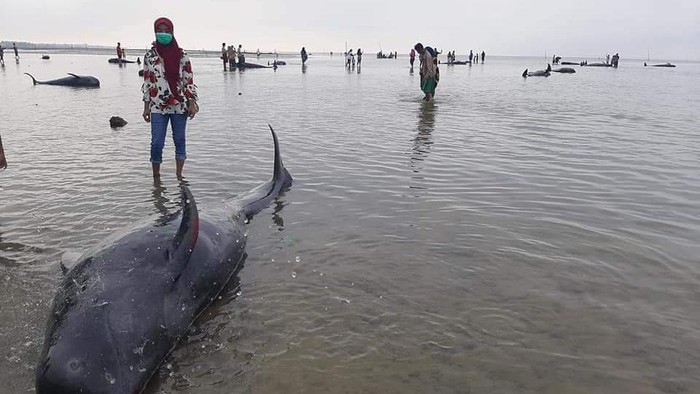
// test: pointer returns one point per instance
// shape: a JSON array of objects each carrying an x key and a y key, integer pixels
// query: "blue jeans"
[{"x": 159, "y": 127}]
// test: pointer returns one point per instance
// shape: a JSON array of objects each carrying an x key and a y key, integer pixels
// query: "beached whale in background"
[
  {"x": 538, "y": 73},
  {"x": 597, "y": 65},
  {"x": 80, "y": 81},
  {"x": 571, "y": 63},
  {"x": 122, "y": 309},
  {"x": 564, "y": 70},
  {"x": 660, "y": 65},
  {"x": 116, "y": 60},
  {"x": 249, "y": 65}
]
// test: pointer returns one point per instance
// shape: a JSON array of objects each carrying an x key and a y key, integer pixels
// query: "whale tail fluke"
[
  {"x": 525, "y": 73},
  {"x": 259, "y": 198},
  {"x": 645, "y": 64},
  {"x": 32, "y": 77}
]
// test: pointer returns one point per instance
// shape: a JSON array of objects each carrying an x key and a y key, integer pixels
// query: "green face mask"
[{"x": 164, "y": 38}]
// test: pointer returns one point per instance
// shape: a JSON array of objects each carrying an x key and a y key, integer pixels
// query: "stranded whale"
[
  {"x": 122, "y": 309},
  {"x": 669, "y": 65},
  {"x": 538, "y": 73},
  {"x": 564, "y": 70},
  {"x": 82, "y": 81}
]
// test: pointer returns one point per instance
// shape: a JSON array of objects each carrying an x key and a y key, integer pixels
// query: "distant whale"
[
  {"x": 538, "y": 73},
  {"x": 116, "y": 60},
  {"x": 570, "y": 63},
  {"x": 122, "y": 309},
  {"x": 249, "y": 65},
  {"x": 78, "y": 81},
  {"x": 564, "y": 70},
  {"x": 660, "y": 65},
  {"x": 597, "y": 65}
]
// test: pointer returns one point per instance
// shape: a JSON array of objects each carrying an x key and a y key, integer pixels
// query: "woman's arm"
[
  {"x": 149, "y": 85},
  {"x": 190, "y": 87}
]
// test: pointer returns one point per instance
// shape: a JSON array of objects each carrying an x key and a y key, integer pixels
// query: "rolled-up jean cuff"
[{"x": 181, "y": 157}]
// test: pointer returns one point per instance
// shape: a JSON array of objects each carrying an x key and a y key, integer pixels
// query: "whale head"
[
  {"x": 84, "y": 360},
  {"x": 108, "y": 324}
]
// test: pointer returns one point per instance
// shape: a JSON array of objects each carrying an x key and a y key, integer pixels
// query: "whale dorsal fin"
[
  {"x": 186, "y": 237},
  {"x": 77, "y": 76}
]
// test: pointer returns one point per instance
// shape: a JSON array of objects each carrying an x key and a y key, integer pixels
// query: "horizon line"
[{"x": 28, "y": 45}]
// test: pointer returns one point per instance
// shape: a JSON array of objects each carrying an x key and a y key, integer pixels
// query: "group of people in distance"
[
  {"x": 2, "y": 54},
  {"x": 231, "y": 56},
  {"x": 350, "y": 58}
]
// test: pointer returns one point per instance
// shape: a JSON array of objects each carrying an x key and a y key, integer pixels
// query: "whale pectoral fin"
[
  {"x": 64, "y": 269},
  {"x": 71, "y": 74},
  {"x": 188, "y": 232}
]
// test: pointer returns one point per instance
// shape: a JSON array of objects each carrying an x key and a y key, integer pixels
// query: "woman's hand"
[
  {"x": 147, "y": 115},
  {"x": 192, "y": 108}
]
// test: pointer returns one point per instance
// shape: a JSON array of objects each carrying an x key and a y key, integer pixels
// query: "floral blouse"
[{"x": 156, "y": 89}]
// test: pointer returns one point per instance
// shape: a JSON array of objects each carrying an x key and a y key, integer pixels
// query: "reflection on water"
[
  {"x": 277, "y": 219},
  {"x": 160, "y": 202},
  {"x": 423, "y": 141},
  {"x": 554, "y": 250}
]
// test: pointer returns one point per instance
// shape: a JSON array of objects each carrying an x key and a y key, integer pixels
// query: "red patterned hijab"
[{"x": 171, "y": 55}]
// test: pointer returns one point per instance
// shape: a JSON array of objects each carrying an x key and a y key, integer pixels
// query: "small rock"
[
  {"x": 116, "y": 121},
  {"x": 140, "y": 73}
]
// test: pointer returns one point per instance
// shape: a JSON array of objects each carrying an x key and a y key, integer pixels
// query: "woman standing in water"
[{"x": 169, "y": 94}]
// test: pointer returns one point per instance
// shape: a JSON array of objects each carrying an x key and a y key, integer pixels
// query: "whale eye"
[{"x": 75, "y": 365}]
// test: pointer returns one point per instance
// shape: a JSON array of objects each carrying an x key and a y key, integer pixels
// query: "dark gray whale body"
[
  {"x": 669, "y": 65},
  {"x": 116, "y": 60},
  {"x": 122, "y": 309},
  {"x": 249, "y": 65},
  {"x": 79, "y": 81},
  {"x": 564, "y": 70}
]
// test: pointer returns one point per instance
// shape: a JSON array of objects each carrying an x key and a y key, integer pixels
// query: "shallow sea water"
[{"x": 515, "y": 236}]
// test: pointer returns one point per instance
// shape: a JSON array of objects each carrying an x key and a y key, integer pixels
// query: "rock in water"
[{"x": 116, "y": 121}]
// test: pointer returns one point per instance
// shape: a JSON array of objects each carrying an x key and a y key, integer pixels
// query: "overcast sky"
[{"x": 669, "y": 29}]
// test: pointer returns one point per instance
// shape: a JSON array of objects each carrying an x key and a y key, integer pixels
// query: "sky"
[{"x": 666, "y": 29}]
